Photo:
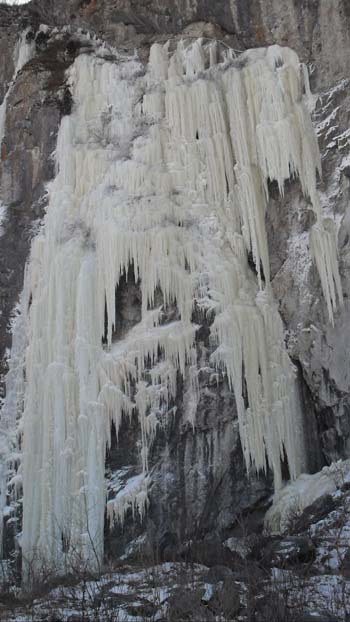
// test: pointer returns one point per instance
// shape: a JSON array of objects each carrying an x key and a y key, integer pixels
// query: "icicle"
[
  {"x": 309, "y": 98},
  {"x": 323, "y": 244},
  {"x": 133, "y": 496}
]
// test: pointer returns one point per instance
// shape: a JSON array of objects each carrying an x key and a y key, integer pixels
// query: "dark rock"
[
  {"x": 210, "y": 552},
  {"x": 289, "y": 551},
  {"x": 315, "y": 512},
  {"x": 218, "y": 573},
  {"x": 67, "y": 102},
  {"x": 41, "y": 40},
  {"x": 346, "y": 171},
  {"x": 142, "y": 610},
  {"x": 72, "y": 47},
  {"x": 30, "y": 36},
  {"x": 312, "y": 29},
  {"x": 225, "y": 601},
  {"x": 186, "y": 606},
  {"x": 271, "y": 606},
  {"x": 345, "y": 564}
]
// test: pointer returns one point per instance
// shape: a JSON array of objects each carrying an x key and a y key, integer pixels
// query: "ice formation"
[
  {"x": 132, "y": 496},
  {"x": 165, "y": 170}
]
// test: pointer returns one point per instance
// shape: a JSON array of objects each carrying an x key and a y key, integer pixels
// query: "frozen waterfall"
[{"x": 165, "y": 170}]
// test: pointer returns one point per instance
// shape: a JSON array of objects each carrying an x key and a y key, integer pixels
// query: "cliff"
[{"x": 201, "y": 494}]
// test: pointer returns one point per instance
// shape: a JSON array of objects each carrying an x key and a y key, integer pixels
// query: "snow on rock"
[
  {"x": 130, "y": 594},
  {"x": 299, "y": 494}
]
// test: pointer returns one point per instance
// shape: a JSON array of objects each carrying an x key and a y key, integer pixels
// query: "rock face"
[
  {"x": 319, "y": 32},
  {"x": 200, "y": 492}
]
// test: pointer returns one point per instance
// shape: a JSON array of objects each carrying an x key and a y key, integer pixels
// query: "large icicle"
[
  {"x": 166, "y": 173},
  {"x": 323, "y": 244}
]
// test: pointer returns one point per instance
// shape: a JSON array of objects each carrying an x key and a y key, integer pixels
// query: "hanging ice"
[{"x": 165, "y": 171}]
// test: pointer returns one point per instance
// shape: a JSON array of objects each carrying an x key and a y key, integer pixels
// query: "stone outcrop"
[{"x": 318, "y": 31}]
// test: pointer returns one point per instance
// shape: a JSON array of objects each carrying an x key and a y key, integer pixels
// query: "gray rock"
[
  {"x": 225, "y": 601},
  {"x": 218, "y": 573},
  {"x": 318, "y": 31},
  {"x": 186, "y": 605},
  {"x": 287, "y": 552},
  {"x": 314, "y": 513},
  {"x": 345, "y": 565}
]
